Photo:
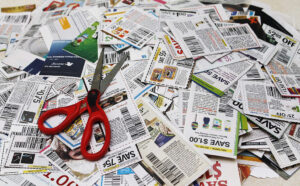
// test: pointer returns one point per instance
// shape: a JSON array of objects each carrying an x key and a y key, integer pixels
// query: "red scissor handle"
[
  {"x": 71, "y": 112},
  {"x": 97, "y": 114}
]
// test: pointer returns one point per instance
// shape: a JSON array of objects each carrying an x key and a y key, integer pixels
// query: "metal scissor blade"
[
  {"x": 106, "y": 82},
  {"x": 98, "y": 72}
]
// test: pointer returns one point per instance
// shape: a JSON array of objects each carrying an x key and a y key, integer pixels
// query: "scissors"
[{"x": 91, "y": 104}]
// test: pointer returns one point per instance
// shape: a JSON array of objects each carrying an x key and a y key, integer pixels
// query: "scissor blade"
[
  {"x": 98, "y": 72},
  {"x": 106, "y": 82}
]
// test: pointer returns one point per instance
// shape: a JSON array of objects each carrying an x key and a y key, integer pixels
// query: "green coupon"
[
  {"x": 207, "y": 86},
  {"x": 85, "y": 45}
]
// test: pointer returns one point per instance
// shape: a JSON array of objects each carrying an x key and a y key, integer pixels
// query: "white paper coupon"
[
  {"x": 284, "y": 152},
  {"x": 287, "y": 45},
  {"x": 162, "y": 69},
  {"x": 264, "y": 100},
  {"x": 198, "y": 36},
  {"x": 136, "y": 27}
]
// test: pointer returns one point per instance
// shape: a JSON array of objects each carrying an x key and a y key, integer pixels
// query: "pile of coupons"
[{"x": 208, "y": 95}]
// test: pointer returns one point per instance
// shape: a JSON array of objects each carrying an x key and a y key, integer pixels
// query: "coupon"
[
  {"x": 173, "y": 47},
  {"x": 284, "y": 152},
  {"x": 24, "y": 152},
  {"x": 274, "y": 127},
  {"x": 294, "y": 131},
  {"x": 223, "y": 172},
  {"x": 25, "y": 103},
  {"x": 198, "y": 36},
  {"x": 162, "y": 69},
  {"x": 216, "y": 12},
  {"x": 240, "y": 37},
  {"x": 264, "y": 100},
  {"x": 71, "y": 162},
  {"x": 286, "y": 79},
  {"x": 287, "y": 46},
  {"x": 219, "y": 80},
  {"x": 167, "y": 153},
  {"x": 120, "y": 159},
  {"x": 255, "y": 73},
  {"x": 136, "y": 27},
  {"x": 203, "y": 64},
  {"x": 211, "y": 125},
  {"x": 263, "y": 54}
]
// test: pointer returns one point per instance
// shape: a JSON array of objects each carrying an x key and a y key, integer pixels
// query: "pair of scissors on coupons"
[{"x": 91, "y": 104}]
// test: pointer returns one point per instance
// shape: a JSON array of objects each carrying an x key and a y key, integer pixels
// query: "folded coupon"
[
  {"x": 204, "y": 64},
  {"x": 219, "y": 80}
]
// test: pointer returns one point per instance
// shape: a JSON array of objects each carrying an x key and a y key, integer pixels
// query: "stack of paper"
[{"x": 209, "y": 92}]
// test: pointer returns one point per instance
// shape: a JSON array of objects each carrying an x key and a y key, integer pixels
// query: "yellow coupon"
[{"x": 64, "y": 23}]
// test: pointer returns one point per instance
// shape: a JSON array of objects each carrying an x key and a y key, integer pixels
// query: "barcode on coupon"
[
  {"x": 283, "y": 56},
  {"x": 7, "y": 124},
  {"x": 167, "y": 168},
  {"x": 52, "y": 155},
  {"x": 224, "y": 107},
  {"x": 31, "y": 143},
  {"x": 28, "y": 131},
  {"x": 3, "y": 97},
  {"x": 263, "y": 49},
  {"x": 114, "y": 57},
  {"x": 133, "y": 124},
  {"x": 138, "y": 180},
  {"x": 253, "y": 73},
  {"x": 282, "y": 147},
  {"x": 140, "y": 36},
  {"x": 233, "y": 31},
  {"x": 194, "y": 45},
  {"x": 272, "y": 91},
  {"x": 10, "y": 111},
  {"x": 27, "y": 183},
  {"x": 212, "y": 14},
  {"x": 105, "y": 4},
  {"x": 112, "y": 179},
  {"x": 15, "y": 19}
]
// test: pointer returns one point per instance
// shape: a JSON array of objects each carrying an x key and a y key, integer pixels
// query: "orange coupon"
[{"x": 64, "y": 23}]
